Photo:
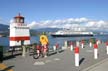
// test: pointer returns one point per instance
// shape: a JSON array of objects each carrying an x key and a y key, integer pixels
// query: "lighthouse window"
[
  {"x": 17, "y": 20},
  {"x": 21, "y": 21}
]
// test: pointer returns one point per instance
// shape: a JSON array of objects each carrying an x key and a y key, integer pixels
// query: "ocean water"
[{"x": 4, "y": 41}]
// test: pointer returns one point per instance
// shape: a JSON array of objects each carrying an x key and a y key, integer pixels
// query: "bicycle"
[{"x": 39, "y": 51}]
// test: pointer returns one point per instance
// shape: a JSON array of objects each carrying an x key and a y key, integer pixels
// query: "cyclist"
[{"x": 44, "y": 42}]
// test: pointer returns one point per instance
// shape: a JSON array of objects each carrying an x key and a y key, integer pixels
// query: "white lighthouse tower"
[{"x": 19, "y": 32}]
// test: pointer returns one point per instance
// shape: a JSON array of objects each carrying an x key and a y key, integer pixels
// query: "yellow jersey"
[{"x": 44, "y": 40}]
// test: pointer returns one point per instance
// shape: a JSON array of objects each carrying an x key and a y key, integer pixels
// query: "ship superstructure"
[{"x": 72, "y": 32}]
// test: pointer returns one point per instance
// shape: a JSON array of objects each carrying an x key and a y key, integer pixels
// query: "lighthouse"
[{"x": 19, "y": 32}]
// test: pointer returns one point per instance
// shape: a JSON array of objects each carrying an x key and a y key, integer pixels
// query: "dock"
[{"x": 63, "y": 61}]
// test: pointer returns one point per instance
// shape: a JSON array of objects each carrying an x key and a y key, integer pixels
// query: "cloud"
[
  {"x": 35, "y": 25},
  {"x": 12, "y": 21},
  {"x": 83, "y": 23},
  {"x": 97, "y": 24}
]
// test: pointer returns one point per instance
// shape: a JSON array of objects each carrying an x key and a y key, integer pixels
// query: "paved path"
[
  {"x": 100, "y": 66},
  {"x": 63, "y": 61}
]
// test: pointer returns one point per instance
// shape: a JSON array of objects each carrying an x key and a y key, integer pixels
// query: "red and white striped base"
[
  {"x": 107, "y": 49},
  {"x": 71, "y": 47},
  {"x": 95, "y": 51},
  {"x": 16, "y": 41},
  {"x": 76, "y": 56},
  {"x": 82, "y": 45},
  {"x": 90, "y": 44}
]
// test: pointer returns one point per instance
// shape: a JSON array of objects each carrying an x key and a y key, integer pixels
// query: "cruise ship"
[{"x": 72, "y": 33}]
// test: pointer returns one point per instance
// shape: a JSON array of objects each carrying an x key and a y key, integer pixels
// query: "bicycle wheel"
[{"x": 35, "y": 55}]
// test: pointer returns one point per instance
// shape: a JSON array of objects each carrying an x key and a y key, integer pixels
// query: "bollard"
[
  {"x": 97, "y": 42},
  {"x": 82, "y": 44},
  {"x": 107, "y": 47},
  {"x": 57, "y": 46},
  {"x": 54, "y": 48},
  {"x": 76, "y": 56},
  {"x": 65, "y": 44},
  {"x": 95, "y": 51},
  {"x": 77, "y": 43},
  {"x": 24, "y": 51},
  {"x": 1, "y": 54},
  {"x": 71, "y": 45},
  {"x": 90, "y": 44}
]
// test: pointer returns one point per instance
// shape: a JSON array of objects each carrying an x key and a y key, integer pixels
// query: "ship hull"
[{"x": 72, "y": 35}]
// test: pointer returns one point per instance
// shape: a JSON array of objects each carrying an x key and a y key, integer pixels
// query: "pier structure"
[{"x": 66, "y": 60}]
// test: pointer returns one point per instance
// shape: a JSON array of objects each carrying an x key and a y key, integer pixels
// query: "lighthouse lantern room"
[{"x": 19, "y": 32}]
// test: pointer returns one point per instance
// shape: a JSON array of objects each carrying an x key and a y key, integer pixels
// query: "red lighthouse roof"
[
  {"x": 19, "y": 16},
  {"x": 19, "y": 19}
]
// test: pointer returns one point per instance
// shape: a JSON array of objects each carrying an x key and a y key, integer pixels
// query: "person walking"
[{"x": 44, "y": 42}]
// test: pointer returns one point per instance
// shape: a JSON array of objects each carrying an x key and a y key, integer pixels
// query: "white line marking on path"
[
  {"x": 39, "y": 63},
  {"x": 47, "y": 61},
  {"x": 56, "y": 59}
]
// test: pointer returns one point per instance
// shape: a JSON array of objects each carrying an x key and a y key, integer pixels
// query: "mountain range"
[
  {"x": 5, "y": 31},
  {"x": 3, "y": 27}
]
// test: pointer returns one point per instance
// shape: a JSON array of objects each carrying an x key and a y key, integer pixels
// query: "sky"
[{"x": 38, "y": 12}]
